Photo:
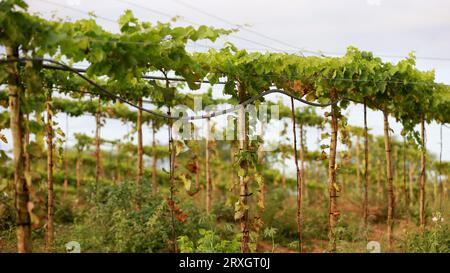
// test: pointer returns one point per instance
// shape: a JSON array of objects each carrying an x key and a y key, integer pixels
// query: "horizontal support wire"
[{"x": 79, "y": 72}]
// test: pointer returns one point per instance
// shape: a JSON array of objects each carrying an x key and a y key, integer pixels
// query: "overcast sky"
[{"x": 391, "y": 29}]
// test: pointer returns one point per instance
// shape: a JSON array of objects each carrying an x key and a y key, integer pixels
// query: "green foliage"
[
  {"x": 122, "y": 218},
  {"x": 280, "y": 217},
  {"x": 270, "y": 233},
  {"x": 115, "y": 224},
  {"x": 209, "y": 242},
  {"x": 7, "y": 213},
  {"x": 434, "y": 240},
  {"x": 64, "y": 213}
]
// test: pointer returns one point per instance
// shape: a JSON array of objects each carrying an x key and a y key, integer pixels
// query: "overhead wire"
[
  {"x": 78, "y": 10},
  {"x": 194, "y": 23},
  {"x": 179, "y": 79},
  {"x": 235, "y": 25},
  {"x": 157, "y": 12},
  {"x": 159, "y": 114},
  {"x": 298, "y": 49}
]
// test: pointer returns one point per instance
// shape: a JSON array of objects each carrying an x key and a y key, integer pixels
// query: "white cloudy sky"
[{"x": 391, "y": 29}]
